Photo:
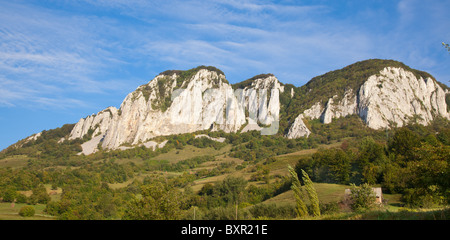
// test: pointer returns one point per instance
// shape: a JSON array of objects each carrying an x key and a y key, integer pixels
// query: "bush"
[
  {"x": 362, "y": 197},
  {"x": 272, "y": 211},
  {"x": 227, "y": 213},
  {"x": 21, "y": 198},
  {"x": 27, "y": 211},
  {"x": 329, "y": 208},
  {"x": 9, "y": 195}
]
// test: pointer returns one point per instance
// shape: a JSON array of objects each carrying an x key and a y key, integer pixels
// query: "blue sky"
[{"x": 62, "y": 60}]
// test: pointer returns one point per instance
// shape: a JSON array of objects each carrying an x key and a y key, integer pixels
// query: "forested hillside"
[
  {"x": 237, "y": 175},
  {"x": 247, "y": 170}
]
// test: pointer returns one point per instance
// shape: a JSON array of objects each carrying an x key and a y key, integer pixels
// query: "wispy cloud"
[
  {"x": 45, "y": 55},
  {"x": 61, "y": 53}
]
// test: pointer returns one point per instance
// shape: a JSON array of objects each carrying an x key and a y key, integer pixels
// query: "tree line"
[{"x": 415, "y": 165}]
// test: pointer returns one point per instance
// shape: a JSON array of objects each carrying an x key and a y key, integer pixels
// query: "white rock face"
[
  {"x": 162, "y": 107},
  {"x": 214, "y": 139},
  {"x": 314, "y": 112},
  {"x": 346, "y": 106},
  {"x": 396, "y": 95},
  {"x": 388, "y": 99},
  {"x": 33, "y": 137},
  {"x": 102, "y": 121},
  {"x": 206, "y": 100},
  {"x": 298, "y": 129},
  {"x": 91, "y": 145}
]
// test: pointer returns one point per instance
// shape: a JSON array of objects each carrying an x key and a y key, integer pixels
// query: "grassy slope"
[{"x": 15, "y": 161}]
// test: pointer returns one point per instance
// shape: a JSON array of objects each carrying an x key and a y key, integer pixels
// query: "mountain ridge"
[{"x": 178, "y": 101}]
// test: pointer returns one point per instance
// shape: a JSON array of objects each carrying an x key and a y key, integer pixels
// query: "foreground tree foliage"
[
  {"x": 301, "y": 192},
  {"x": 157, "y": 202},
  {"x": 312, "y": 194},
  {"x": 298, "y": 194},
  {"x": 414, "y": 161}
]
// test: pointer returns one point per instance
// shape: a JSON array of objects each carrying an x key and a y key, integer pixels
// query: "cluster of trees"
[
  {"x": 415, "y": 165},
  {"x": 86, "y": 193},
  {"x": 39, "y": 195},
  {"x": 159, "y": 198},
  {"x": 178, "y": 166},
  {"x": 253, "y": 147},
  {"x": 47, "y": 148}
]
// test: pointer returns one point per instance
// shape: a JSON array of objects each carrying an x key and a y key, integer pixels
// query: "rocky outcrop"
[
  {"x": 262, "y": 104},
  {"x": 395, "y": 96},
  {"x": 298, "y": 129},
  {"x": 220, "y": 139},
  {"x": 176, "y": 102},
  {"x": 172, "y": 103},
  {"x": 392, "y": 98},
  {"x": 346, "y": 106}
]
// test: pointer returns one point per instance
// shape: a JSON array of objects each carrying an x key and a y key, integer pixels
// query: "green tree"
[
  {"x": 429, "y": 175},
  {"x": 9, "y": 195},
  {"x": 27, "y": 211},
  {"x": 21, "y": 198},
  {"x": 370, "y": 157},
  {"x": 297, "y": 188},
  {"x": 402, "y": 144},
  {"x": 232, "y": 189},
  {"x": 39, "y": 195},
  {"x": 331, "y": 166},
  {"x": 158, "y": 202}
]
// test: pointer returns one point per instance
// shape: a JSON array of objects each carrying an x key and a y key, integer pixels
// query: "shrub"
[
  {"x": 21, "y": 198},
  {"x": 329, "y": 208},
  {"x": 27, "y": 211},
  {"x": 362, "y": 197},
  {"x": 272, "y": 211},
  {"x": 9, "y": 195}
]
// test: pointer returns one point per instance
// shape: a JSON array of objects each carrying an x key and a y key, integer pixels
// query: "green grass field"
[{"x": 9, "y": 211}]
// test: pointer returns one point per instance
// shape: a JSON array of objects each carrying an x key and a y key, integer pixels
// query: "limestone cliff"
[
  {"x": 395, "y": 96},
  {"x": 383, "y": 93},
  {"x": 177, "y": 102},
  {"x": 391, "y": 98}
]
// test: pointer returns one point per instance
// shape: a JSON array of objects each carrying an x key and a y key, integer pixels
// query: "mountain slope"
[
  {"x": 383, "y": 93},
  {"x": 176, "y": 102}
]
